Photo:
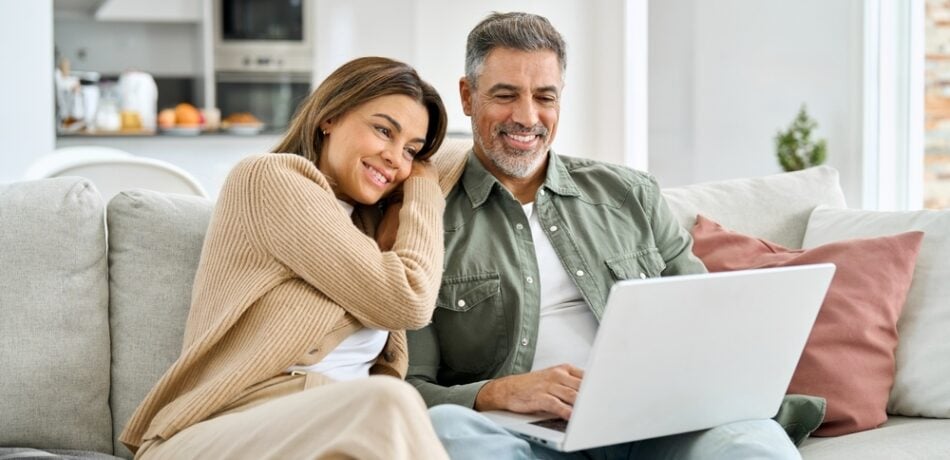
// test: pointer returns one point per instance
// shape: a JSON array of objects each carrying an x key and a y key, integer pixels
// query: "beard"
[{"x": 510, "y": 161}]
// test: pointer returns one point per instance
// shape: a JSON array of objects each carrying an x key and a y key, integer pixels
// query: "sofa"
[{"x": 94, "y": 297}]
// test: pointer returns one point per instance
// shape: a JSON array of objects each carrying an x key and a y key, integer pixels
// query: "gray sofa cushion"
[
  {"x": 773, "y": 207},
  {"x": 900, "y": 438},
  {"x": 54, "y": 317},
  {"x": 19, "y": 453},
  {"x": 154, "y": 245}
]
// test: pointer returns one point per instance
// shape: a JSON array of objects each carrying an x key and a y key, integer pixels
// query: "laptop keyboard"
[{"x": 557, "y": 424}]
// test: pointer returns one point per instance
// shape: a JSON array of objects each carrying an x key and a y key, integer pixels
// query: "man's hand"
[
  {"x": 551, "y": 390},
  {"x": 386, "y": 230}
]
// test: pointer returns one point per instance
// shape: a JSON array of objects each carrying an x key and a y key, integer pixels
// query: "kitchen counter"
[
  {"x": 209, "y": 156},
  {"x": 162, "y": 133}
]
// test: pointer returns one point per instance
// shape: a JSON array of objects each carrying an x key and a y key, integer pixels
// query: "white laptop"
[{"x": 686, "y": 353}]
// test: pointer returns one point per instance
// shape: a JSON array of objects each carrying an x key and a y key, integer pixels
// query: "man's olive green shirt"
[{"x": 606, "y": 223}]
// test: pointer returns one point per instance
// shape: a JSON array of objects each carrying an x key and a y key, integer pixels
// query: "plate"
[
  {"x": 245, "y": 129},
  {"x": 183, "y": 130}
]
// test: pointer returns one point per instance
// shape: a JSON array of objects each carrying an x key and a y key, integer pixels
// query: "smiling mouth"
[
  {"x": 378, "y": 176},
  {"x": 522, "y": 137},
  {"x": 525, "y": 141}
]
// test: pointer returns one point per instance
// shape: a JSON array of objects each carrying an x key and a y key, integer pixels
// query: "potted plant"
[{"x": 795, "y": 148}]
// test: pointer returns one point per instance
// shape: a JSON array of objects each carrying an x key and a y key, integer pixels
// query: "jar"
[{"x": 107, "y": 116}]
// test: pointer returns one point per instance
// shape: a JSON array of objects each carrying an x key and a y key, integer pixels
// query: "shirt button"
[
  {"x": 553, "y": 228},
  {"x": 519, "y": 226},
  {"x": 643, "y": 276},
  {"x": 580, "y": 273},
  {"x": 524, "y": 342},
  {"x": 461, "y": 303},
  {"x": 530, "y": 280}
]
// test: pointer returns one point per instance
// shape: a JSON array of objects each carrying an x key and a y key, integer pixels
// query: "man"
[{"x": 533, "y": 243}]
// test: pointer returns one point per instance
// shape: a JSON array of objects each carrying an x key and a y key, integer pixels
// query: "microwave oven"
[{"x": 263, "y": 36}]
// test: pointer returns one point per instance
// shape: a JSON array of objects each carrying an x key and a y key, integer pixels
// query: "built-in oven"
[
  {"x": 272, "y": 98},
  {"x": 263, "y": 57}
]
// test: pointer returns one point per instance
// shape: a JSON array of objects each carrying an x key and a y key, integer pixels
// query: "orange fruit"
[
  {"x": 167, "y": 118},
  {"x": 187, "y": 115}
]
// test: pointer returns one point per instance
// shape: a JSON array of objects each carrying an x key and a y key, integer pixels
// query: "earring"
[{"x": 325, "y": 132}]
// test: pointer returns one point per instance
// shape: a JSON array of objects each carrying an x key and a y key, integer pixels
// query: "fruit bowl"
[
  {"x": 183, "y": 130},
  {"x": 244, "y": 129}
]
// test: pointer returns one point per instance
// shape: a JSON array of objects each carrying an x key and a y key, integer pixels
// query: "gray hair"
[{"x": 520, "y": 31}]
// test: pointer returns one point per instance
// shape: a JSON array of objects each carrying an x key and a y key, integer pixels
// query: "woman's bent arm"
[{"x": 291, "y": 216}]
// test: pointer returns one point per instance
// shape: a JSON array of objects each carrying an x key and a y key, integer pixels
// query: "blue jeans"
[{"x": 466, "y": 434}]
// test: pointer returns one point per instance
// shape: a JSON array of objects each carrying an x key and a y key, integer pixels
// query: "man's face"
[{"x": 514, "y": 109}]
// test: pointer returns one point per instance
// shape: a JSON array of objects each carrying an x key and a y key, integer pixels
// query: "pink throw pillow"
[{"x": 849, "y": 356}]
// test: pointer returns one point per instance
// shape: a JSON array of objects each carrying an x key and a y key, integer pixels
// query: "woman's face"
[{"x": 368, "y": 151}]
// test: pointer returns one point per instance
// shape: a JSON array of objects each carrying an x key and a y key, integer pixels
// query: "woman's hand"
[
  {"x": 424, "y": 169},
  {"x": 386, "y": 231}
]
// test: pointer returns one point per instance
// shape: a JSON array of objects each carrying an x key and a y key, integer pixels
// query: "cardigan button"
[{"x": 389, "y": 357}]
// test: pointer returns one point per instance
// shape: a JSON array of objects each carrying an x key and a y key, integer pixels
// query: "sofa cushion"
[
  {"x": 54, "y": 316},
  {"x": 21, "y": 453},
  {"x": 849, "y": 356},
  {"x": 773, "y": 207},
  {"x": 154, "y": 245},
  {"x": 900, "y": 438},
  {"x": 922, "y": 382}
]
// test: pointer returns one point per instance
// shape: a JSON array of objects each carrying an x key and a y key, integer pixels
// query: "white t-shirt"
[
  {"x": 567, "y": 325},
  {"x": 355, "y": 355}
]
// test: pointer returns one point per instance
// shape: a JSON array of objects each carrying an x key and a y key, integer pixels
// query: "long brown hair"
[{"x": 353, "y": 84}]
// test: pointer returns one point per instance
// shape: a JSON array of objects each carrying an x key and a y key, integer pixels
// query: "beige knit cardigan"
[{"x": 284, "y": 276}]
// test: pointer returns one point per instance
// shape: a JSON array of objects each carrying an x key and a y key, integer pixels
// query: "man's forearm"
[{"x": 434, "y": 394}]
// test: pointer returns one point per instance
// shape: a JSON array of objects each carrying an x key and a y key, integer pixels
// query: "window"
[{"x": 937, "y": 105}]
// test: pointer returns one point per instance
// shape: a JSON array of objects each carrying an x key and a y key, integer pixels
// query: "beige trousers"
[{"x": 295, "y": 417}]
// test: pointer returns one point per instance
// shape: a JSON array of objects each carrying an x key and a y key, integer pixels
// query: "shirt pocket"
[
  {"x": 643, "y": 263},
  {"x": 469, "y": 322}
]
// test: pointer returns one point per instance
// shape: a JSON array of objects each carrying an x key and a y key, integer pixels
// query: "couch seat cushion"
[
  {"x": 900, "y": 438},
  {"x": 19, "y": 453}
]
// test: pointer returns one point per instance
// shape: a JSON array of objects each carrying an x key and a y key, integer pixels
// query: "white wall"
[
  {"x": 430, "y": 35},
  {"x": 725, "y": 76},
  {"x": 27, "y": 128},
  {"x": 671, "y": 75}
]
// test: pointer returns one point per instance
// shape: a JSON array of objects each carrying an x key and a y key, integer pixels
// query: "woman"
[{"x": 291, "y": 294}]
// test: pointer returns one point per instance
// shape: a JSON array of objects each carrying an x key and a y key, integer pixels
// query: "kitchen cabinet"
[{"x": 150, "y": 11}]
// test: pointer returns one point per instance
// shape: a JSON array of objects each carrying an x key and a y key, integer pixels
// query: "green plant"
[{"x": 795, "y": 148}]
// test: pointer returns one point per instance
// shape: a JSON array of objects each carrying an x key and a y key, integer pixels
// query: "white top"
[
  {"x": 567, "y": 325},
  {"x": 353, "y": 357}
]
